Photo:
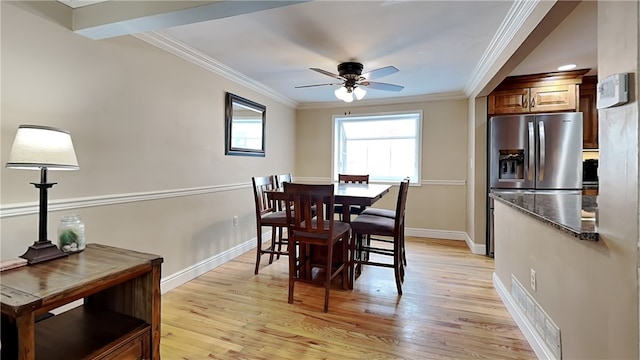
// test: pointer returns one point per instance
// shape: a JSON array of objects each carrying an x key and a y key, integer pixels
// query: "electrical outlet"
[
  {"x": 235, "y": 221},
  {"x": 533, "y": 280}
]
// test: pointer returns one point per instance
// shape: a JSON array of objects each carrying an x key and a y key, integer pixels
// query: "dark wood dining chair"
[
  {"x": 389, "y": 214},
  {"x": 312, "y": 233},
  {"x": 366, "y": 228},
  {"x": 280, "y": 179},
  {"x": 268, "y": 216},
  {"x": 353, "y": 179}
]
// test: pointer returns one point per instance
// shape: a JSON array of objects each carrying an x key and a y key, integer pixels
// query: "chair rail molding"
[
  {"x": 444, "y": 182},
  {"x": 19, "y": 209},
  {"x": 326, "y": 180}
]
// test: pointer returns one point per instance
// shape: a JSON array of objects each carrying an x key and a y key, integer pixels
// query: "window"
[{"x": 387, "y": 146}]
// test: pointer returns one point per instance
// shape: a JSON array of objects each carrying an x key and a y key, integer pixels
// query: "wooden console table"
[{"x": 120, "y": 318}]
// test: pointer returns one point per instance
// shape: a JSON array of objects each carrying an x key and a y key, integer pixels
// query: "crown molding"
[
  {"x": 517, "y": 15},
  {"x": 457, "y": 95},
  {"x": 196, "y": 57}
]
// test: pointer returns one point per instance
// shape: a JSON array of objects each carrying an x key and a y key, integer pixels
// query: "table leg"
[
  {"x": 27, "y": 336},
  {"x": 346, "y": 213},
  {"x": 352, "y": 260},
  {"x": 346, "y": 217}
]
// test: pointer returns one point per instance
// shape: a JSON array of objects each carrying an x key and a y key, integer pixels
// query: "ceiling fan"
[{"x": 354, "y": 81}]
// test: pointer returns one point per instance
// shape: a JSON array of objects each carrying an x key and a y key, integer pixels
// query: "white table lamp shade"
[{"x": 36, "y": 147}]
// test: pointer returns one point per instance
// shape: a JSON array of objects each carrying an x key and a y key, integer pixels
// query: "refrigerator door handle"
[
  {"x": 530, "y": 172},
  {"x": 542, "y": 151}
]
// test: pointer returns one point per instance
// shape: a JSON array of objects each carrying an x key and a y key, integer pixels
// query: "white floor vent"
[{"x": 539, "y": 320}]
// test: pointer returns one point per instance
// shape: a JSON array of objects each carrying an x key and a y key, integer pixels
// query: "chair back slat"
[
  {"x": 262, "y": 184},
  {"x": 306, "y": 218},
  {"x": 281, "y": 179},
  {"x": 355, "y": 179}
]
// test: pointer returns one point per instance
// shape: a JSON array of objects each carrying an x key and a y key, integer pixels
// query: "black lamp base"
[{"x": 42, "y": 251}]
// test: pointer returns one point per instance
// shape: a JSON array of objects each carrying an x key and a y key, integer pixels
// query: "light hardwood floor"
[{"x": 449, "y": 310}]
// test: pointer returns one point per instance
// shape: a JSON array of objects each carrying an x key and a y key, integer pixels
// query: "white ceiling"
[{"x": 436, "y": 45}]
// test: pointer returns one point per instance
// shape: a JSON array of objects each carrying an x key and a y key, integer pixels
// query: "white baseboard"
[
  {"x": 435, "y": 234},
  {"x": 449, "y": 235},
  {"x": 527, "y": 328},
  {"x": 478, "y": 249},
  {"x": 67, "y": 307},
  {"x": 183, "y": 276}
]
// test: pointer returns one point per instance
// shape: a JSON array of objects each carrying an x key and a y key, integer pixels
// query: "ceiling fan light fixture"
[
  {"x": 353, "y": 80},
  {"x": 341, "y": 93},
  {"x": 348, "y": 97},
  {"x": 359, "y": 92}
]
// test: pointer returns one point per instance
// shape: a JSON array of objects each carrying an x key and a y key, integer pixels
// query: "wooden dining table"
[
  {"x": 346, "y": 194},
  {"x": 357, "y": 194}
]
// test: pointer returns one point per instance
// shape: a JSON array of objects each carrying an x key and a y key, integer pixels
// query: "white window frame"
[{"x": 337, "y": 119}]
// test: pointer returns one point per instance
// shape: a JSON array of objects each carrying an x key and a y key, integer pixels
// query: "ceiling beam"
[{"x": 115, "y": 18}]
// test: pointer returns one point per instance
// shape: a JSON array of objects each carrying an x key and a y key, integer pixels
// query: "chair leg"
[
  {"x": 345, "y": 262},
  {"x": 258, "y": 248},
  {"x": 280, "y": 230},
  {"x": 327, "y": 279},
  {"x": 358, "y": 256},
  {"x": 402, "y": 262},
  {"x": 352, "y": 259},
  {"x": 368, "y": 243},
  {"x": 292, "y": 268},
  {"x": 403, "y": 248},
  {"x": 273, "y": 243},
  {"x": 397, "y": 264}
]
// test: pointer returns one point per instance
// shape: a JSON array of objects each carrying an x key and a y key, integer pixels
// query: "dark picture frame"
[{"x": 245, "y": 126}]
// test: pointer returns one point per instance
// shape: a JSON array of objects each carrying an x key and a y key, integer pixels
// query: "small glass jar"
[{"x": 71, "y": 234}]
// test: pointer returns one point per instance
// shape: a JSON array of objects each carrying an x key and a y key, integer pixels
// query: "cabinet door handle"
[
  {"x": 542, "y": 151},
  {"x": 533, "y": 102},
  {"x": 524, "y": 103}
]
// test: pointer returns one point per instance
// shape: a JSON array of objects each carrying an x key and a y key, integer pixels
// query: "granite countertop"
[{"x": 574, "y": 214}]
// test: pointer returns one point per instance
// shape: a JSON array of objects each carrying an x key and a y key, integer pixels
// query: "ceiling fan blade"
[
  {"x": 381, "y": 86},
  {"x": 306, "y": 86},
  {"x": 325, "y": 72},
  {"x": 378, "y": 73}
]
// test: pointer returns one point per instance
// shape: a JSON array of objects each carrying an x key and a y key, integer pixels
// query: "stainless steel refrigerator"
[{"x": 540, "y": 152}]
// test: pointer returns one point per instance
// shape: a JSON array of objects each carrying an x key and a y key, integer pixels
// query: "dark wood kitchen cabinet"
[
  {"x": 587, "y": 105},
  {"x": 537, "y": 93}
]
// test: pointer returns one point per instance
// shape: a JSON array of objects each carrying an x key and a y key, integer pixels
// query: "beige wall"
[
  {"x": 434, "y": 208},
  {"x": 587, "y": 288},
  {"x": 619, "y": 135},
  {"x": 476, "y": 171},
  {"x": 143, "y": 122},
  {"x": 590, "y": 289}
]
